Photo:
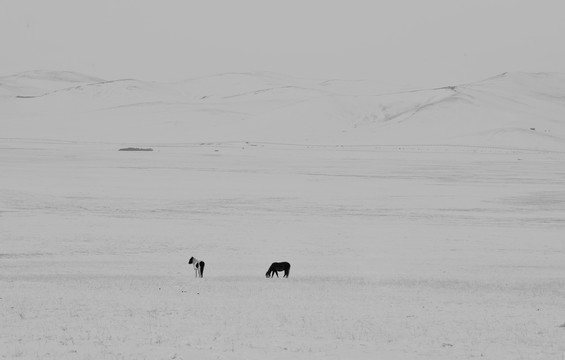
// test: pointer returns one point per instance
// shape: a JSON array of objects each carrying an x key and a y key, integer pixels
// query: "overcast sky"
[{"x": 408, "y": 42}]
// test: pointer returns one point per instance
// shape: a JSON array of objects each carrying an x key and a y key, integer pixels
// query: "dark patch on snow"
[{"x": 135, "y": 149}]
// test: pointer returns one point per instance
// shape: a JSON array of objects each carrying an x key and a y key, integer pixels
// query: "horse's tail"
[
  {"x": 287, "y": 270},
  {"x": 202, "y": 268}
]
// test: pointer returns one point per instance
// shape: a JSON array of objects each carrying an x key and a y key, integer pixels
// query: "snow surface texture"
[{"x": 419, "y": 225}]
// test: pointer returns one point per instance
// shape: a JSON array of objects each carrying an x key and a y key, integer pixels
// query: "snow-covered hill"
[
  {"x": 38, "y": 82},
  {"x": 513, "y": 110}
]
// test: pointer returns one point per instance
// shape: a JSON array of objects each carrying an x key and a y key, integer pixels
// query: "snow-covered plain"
[{"x": 419, "y": 224}]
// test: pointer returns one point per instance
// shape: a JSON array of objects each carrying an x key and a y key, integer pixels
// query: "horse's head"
[{"x": 191, "y": 260}]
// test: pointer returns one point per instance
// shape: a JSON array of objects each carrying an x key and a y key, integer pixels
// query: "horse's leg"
[{"x": 202, "y": 269}]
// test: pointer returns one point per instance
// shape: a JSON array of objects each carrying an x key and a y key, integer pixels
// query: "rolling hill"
[{"x": 511, "y": 110}]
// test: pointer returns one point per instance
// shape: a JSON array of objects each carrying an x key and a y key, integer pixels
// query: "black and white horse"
[
  {"x": 276, "y": 267},
  {"x": 198, "y": 266}
]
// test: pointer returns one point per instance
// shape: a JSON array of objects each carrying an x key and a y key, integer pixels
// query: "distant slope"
[
  {"x": 511, "y": 110},
  {"x": 514, "y": 110},
  {"x": 105, "y": 94},
  {"x": 38, "y": 82}
]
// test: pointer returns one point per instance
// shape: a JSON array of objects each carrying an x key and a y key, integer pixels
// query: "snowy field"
[
  {"x": 413, "y": 252},
  {"x": 448, "y": 246}
]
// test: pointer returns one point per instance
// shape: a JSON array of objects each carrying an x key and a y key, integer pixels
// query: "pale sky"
[{"x": 410, "y": 42}]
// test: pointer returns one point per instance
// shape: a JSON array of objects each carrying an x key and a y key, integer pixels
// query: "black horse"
[{"x": 276, "y": 267}]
